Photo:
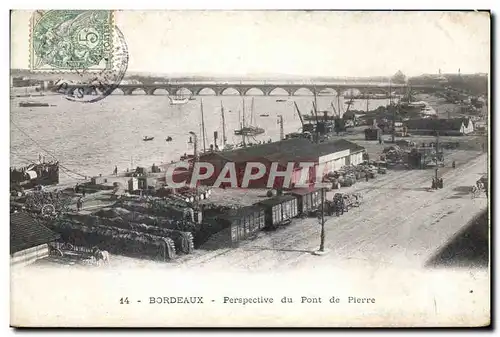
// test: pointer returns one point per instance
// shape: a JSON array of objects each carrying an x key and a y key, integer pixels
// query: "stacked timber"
[
  {"x": 116, "y": 240},
  {"x": 184, "y": 241}
]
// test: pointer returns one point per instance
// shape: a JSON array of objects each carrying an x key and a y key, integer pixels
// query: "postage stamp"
[
  {"x": 84, "y": 46},
  {"x": 71, "y": 40}
]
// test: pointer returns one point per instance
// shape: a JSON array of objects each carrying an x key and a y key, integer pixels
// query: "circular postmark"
[{"x": 92, "y": 86}]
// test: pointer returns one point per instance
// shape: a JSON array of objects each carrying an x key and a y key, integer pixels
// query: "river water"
[{"x": 91, "y": 138}]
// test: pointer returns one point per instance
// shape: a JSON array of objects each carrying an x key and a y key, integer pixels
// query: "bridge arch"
[
  {"x": 182, "y": 91},
  {"x": 327, "y": 92},
  {"x": 250, "y": 92},
  {"x": 158, "y": 92},
  {"x": 351, "y": 92},
  {"x": 235, "y": 91},
  {"x": 279, "y": 91},
  {"x": 207, "y": 91},
  {"x": 302, "y": 91},
  {"x": 118, "y": 91},
  {"x": 138, "y": 91}
]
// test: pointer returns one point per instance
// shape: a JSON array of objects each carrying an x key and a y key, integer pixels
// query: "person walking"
[
  {"x": 116, "y": 170},
  {"x": 79, "y": 204}
]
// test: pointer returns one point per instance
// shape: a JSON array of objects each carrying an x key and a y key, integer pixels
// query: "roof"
[
  {"x": 277, "y": 200},
  {"x": 261, "y": 151},
  {"x": 337, "y": 146},
  {"x": 240, "y": 212},
  {"x": 435, "y": 124},
  {"x": 303, "y": 191},
  {"x": 294, "y": 149},
  {"x": 26, "y": 233}
]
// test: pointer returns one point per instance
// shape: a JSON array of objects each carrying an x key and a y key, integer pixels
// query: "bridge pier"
[{"x": 151, "y": 91}]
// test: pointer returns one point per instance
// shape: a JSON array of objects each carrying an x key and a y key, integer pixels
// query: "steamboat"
[{"x": 42, "y": 173}]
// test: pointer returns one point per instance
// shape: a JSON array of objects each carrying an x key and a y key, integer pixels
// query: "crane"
[
  {"x": 280, "y": 122},
  {"x": 300, "y": 115}
]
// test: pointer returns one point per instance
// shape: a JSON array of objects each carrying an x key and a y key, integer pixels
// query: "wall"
[
  {"x": 30, "y": 255},
  {"x": 356, "y": 158},
  {"x": 468, "y": 128}
]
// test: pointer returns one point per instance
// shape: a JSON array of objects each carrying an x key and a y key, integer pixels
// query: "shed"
[
  {"x": 308, "y": 199},
  {"x": 234, "y": 225},
  {"x": 28, "y": 239},
  {"x": 279, "y": 209},
  {"x": 373, "y": 133}
]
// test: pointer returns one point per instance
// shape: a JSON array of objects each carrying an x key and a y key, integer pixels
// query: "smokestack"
[{"x": 216, "y": 136}]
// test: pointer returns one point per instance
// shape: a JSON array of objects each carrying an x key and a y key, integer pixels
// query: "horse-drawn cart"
[{"x": 342, "y": 202}]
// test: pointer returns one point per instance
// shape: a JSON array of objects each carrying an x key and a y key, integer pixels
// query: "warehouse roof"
[
  {"x": 277, "y": 200},
  {"x": 435, "y": 124},
  {"x": 295, "y": 149},
  {"x": 26, "y": 233},
  {"x": 304, "y": 191},
  {"x": 240, "y": 212},
  {"x": 337, "y": 146}
]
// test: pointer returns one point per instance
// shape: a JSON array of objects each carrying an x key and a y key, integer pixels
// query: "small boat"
[
  {"x": 30, "y": 104},
  {"x": 281, "y": 100},
  {"x": 146, "y": 138},
  {"x": 168, "y": 139},
  {"x": 264, "y": 115},
  {"x": 178, "y": 100},
  {"x": 249, "y": 131}
]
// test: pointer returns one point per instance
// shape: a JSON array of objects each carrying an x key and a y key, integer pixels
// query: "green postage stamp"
[{"x": 71, "y": 40}]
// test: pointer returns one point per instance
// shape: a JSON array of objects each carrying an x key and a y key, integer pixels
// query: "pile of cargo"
[
  {"x": 183, "y": 241},
  {"x": 116, "y": 240},
  {"x": 394, "y": 154},
  {"x": 349, "y": 175},
  {"x": 342, "y": 202}
]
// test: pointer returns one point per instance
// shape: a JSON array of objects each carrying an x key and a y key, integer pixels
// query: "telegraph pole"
[{"x": 437, "y": 153}]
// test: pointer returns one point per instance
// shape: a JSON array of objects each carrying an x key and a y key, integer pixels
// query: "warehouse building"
[
  {"x": 330, "y": 155},
  {"x": 445, "y": 127},
  {"x": 29, "y": 241}
]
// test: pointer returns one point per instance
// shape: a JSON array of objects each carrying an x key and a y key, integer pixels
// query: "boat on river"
[
  {"x": 249, "y": 130},
  {"x": 32, "y": 104},
  {"x": 178, "y": 100},
  {"x": 41, "y": 173},
  {"x": 146, "y": 138}
]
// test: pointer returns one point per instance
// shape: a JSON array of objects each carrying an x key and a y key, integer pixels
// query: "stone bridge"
[{"x": 242, "y": 88}]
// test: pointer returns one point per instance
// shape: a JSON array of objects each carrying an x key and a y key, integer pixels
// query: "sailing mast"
[
  {"x": 334, "y": 110},
  {"x": 252, "y": 113},
  {"x": 243, "y": 112},
  {"x": 338, "y": 104},
  {"x": 224, "y": 139},
  {"x": 203, "y": 126},
  {"x": 242, "y": 129}
]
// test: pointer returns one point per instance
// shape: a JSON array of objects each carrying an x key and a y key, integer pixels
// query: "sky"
[{"x": 337, "y": 44}]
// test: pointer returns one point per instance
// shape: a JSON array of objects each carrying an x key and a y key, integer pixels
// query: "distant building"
[
  {"x": 28, "y": 239},
  {"x": 445, "y": 127},
  {"x": 399, "y": 78},
  {"x": 24, "y": 82}
]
